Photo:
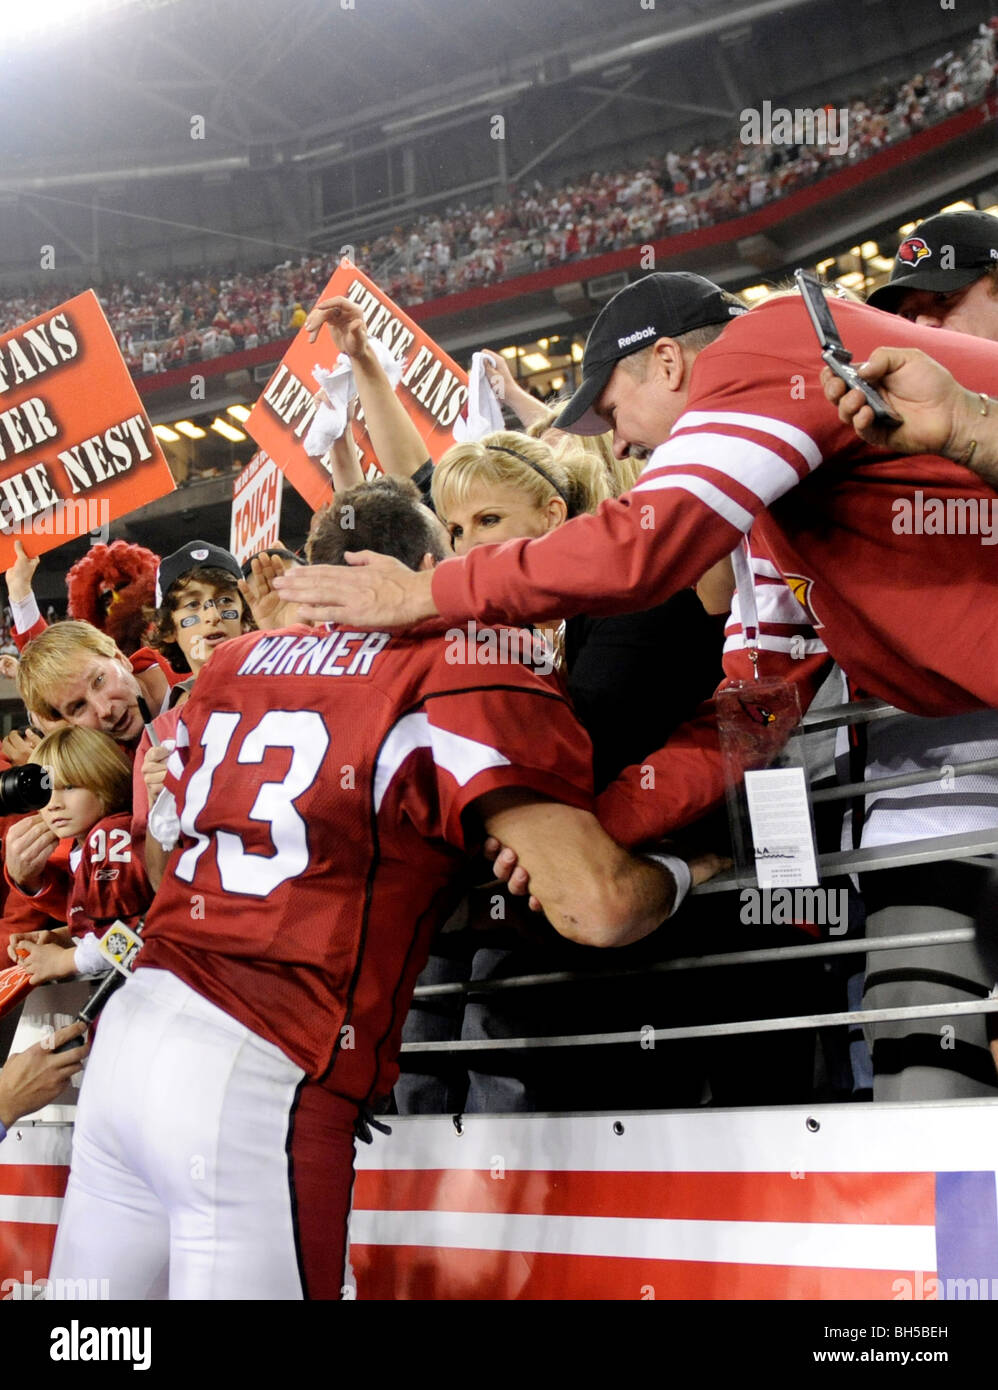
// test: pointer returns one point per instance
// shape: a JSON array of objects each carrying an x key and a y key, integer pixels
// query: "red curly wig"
[{"x": 110, "y": 587}]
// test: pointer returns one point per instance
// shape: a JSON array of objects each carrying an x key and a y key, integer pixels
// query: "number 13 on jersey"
[{"x": 304, "y": 732}]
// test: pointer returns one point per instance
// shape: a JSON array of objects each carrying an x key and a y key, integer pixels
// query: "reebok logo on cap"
[
  {"x": 671, "y": 303},
  {"x": 635, "y": 337}
]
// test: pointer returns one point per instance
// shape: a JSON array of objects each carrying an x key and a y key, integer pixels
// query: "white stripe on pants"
[{"x": 179, "y": 1184}]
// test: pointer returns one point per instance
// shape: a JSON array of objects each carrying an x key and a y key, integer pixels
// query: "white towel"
[
  {"x": 484, "y": 413},
  {"x": 329, "y": 421}
]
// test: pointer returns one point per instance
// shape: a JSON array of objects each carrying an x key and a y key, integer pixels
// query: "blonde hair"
[
  {"x": 52, "y": 659},
  {"x": 499, "y": 458},
  {"x": 86, "y": 758},
  {"x": 621, "y": 474}
]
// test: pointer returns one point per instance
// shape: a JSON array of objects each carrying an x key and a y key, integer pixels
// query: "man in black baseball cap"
[
  {"x": 653, "y": 317},
  {"x": 945, "y": 275}
]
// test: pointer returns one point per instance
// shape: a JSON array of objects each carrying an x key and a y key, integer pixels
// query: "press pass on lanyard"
[{"x": 765, "y": 768}]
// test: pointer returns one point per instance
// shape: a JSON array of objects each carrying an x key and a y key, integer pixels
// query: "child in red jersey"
[{"x": 90, "y": 805}]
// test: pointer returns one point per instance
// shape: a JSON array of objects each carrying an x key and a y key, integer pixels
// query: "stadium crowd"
[
  {"x": 163, "y": 322},
  {"x": 522, "y": 482},
  {"x": 553, "y": 819}
]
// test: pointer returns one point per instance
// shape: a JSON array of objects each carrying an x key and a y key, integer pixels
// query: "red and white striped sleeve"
[{"x": 691, "y": 506}]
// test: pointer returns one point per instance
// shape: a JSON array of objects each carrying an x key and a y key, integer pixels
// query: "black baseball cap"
[
  {"x": 662, "y": 305},
  {"x": 194, "y": 555},
  {"x": 946, "y": 252}
]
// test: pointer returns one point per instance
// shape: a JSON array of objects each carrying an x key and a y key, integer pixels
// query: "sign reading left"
[{"x": 76, "y": 448}]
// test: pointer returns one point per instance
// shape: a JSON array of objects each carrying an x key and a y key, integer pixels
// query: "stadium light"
[
  {"x": 226, "y": 430},
  {"x": 536, "y": 362},
  {"x": 752, "y": 293},
  {"x": 189, "y": 428},
  {"x": 167, "y": 435},
  {"x": 577, "y": 353},
  {"x": 27, "y": 21},
  {"x": 239, "y": 412}
]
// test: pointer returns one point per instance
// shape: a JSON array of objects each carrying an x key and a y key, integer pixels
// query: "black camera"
[{"x": 26, "y": 788}]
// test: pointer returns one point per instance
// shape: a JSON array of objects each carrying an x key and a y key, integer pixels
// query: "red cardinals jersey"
[
  {"x": 109, "y": 878},
  {"x": 892, "y": 559},
  {"x": 322, "y": 778}
]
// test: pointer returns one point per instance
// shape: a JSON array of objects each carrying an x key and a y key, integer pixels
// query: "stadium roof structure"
[
  {"x": 287, "y": 82},
  {"x": 175, "y": 133}
]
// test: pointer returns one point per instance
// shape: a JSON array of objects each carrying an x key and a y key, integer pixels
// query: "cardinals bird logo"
[
  {"x": 759, "y": 714},
  {"x": 912, "y": 250}
]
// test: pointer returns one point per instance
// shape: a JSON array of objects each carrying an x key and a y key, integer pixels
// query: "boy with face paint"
[{"x": 199, "y": 607}]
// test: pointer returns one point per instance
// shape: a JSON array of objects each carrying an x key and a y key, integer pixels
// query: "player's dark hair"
[
  {"x": 385, "y": 516},
  {"x": 163, "y": 637}
]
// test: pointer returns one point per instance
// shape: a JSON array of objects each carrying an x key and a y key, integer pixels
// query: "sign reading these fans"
[
  {"x": 256, "y": 507},
  {"x": 433, "y": 389},
  {"x": 76, "y": 448}
]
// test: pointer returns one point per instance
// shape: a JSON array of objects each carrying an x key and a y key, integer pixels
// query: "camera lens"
[{"x": 26, "y": 788}]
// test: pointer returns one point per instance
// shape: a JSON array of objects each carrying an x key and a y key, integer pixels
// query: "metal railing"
[{"x": 973, "y": 847}]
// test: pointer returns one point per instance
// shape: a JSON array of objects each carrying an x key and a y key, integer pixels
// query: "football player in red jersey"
[{"x": 328, "y": 785}]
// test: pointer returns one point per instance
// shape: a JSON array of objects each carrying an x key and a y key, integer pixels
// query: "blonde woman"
[{"x": 633, "y": 679}]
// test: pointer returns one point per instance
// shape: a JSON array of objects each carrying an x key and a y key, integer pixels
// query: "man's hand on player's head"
[
  {"x": 370, "y": 591},
  {"x": 936, "y": 413}
]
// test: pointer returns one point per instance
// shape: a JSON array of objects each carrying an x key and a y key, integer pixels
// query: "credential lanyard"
[{"x": 745, "y": 584}]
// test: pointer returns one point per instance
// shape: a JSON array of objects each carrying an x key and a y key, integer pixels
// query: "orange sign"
[
  {"x": 76, "y": 448},
  {"x": 433, "y": 389}
]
